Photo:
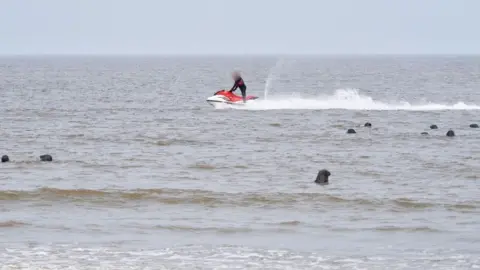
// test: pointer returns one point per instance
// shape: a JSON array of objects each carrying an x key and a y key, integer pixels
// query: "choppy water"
[{"x": 146, "y": 175}]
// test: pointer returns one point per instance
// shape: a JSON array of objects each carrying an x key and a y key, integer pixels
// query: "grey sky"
[{"x": 248, "y": 26}]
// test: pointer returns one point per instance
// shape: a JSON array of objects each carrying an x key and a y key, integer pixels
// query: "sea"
[{"x": 147, "y": 175}]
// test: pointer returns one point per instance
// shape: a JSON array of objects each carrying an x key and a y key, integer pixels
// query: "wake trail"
[{"x": 349, "y": 99}]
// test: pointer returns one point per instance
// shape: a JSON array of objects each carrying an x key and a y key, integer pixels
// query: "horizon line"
[{"x": 230, "y": 54}]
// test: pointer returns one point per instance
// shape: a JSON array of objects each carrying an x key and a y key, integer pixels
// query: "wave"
[
  {"x": 11, "y": 223},
  {"x": 218, "y": 230},
  {"x": 404, "y": 229},
  {"x": 286, "y": 226},
  {"x": 209, "y": 256},
  {"x": 116, "y": 198},
  {"x": 349, "y": 99},
  {"x": 202, "y": 166}
]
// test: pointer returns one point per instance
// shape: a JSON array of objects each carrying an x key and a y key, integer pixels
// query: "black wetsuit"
[{"x": 239, "y": 83}]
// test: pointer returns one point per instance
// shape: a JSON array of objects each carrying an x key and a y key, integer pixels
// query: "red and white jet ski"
[{"x": 224, "y": 98}]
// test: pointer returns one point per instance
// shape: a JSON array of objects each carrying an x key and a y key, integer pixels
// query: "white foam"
[
  {"x": 349, "y": 99},
  {"x": 227, "y": 257}
]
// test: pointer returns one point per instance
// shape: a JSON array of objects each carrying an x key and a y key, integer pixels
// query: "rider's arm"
[{"x": 234, "y": 87}]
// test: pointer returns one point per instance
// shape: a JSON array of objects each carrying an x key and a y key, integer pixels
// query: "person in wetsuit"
[{"x": 239, "y": 83}]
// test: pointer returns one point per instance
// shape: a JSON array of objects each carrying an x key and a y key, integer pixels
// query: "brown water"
[{"x": 147, "y": 175}]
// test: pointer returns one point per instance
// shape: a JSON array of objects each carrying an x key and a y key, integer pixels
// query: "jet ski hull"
[
  {"x": 225, "y": 99},
  {"x": 219, "y": 103}
]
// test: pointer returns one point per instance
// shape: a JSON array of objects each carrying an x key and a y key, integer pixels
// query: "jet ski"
[{"x": 224, "y": 98}]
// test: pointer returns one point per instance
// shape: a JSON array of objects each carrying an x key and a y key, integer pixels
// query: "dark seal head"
[
  {"x": 351, "y": 131},
  {"x": 433, "y": 127},
  {"x": 322, "y": 177},
  {"x": 46, "y": 158},
  {"x": 450, "y": 133},
  {"x": 368, "y": 124},
  {"x": 5, "y": 158}
]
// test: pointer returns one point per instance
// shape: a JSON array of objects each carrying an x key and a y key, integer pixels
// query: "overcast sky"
[{"x": 232, "y": 27}]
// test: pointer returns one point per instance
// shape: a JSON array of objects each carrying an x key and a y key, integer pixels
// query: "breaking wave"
[
  {"x": 75, "y": 256},
  {"x": 218, "y": 199},
  {"x": 350, "y": 99}
]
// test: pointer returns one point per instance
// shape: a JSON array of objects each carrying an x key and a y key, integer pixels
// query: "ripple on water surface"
[{"x": 142, "y": 172}]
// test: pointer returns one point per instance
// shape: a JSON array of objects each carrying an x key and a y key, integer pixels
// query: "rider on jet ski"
[{"x": 239, "y": 83}]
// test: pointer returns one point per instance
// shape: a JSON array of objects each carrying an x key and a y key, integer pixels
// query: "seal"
[
  {"x": 46, "y": 158},
  {"x": 322, "y": 177}
]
